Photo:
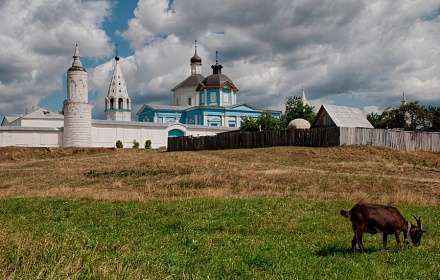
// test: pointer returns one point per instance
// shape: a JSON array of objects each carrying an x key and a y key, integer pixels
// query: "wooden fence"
[
  {"x": 255, "y": 139},
  {"x": 315, "y": 137},
  {"x": 395, "y": 139}
]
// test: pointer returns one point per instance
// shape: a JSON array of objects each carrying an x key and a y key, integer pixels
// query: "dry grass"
[{"x": 342, "y": 173}]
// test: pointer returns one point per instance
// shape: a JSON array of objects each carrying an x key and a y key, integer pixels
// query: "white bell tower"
[
  {"x": 117, "y": 102},
  {"x": 77, "y": 110}
]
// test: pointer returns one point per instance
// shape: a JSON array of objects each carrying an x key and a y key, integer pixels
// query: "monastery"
[{"x": 202, "y": 106}]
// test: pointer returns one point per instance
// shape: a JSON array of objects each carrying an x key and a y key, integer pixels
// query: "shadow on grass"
[{"x": 337, "y": 250}]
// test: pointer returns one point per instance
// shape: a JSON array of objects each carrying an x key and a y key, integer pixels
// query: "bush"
[
  {"x": 148, "y": 144},
  {"x": 119, "y": 144},
  {"x": 135, "y": 144}
]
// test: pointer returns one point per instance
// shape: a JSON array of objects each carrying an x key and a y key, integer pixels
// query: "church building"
[{"x": 199, "y": 100}]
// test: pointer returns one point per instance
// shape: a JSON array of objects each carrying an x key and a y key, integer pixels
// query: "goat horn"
[{"x": 419, "y": 222}]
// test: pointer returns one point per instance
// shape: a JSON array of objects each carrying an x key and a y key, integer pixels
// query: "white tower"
[
  {"x": 403, "y": 100},
  {"x": 117, "y": 102},
  {"x": 77, "y": 110}
]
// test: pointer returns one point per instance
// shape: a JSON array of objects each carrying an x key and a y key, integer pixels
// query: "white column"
[{"x": 225, "y": 120}]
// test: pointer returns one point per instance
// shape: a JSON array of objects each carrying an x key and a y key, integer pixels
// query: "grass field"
[{"x": 244, "y": 214}]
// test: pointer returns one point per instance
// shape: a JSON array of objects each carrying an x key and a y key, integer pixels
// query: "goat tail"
[{"x": 345, "y": 214}]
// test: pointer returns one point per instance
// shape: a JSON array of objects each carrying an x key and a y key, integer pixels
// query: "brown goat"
[{"x": 375, "y": 218}]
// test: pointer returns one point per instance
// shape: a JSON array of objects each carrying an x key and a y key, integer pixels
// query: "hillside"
[{"x": 342, "y": 173}]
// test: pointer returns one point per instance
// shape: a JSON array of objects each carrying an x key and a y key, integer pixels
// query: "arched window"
[
  {"x": 112, "y": 103},
  {"x": 120, "y": 102}
]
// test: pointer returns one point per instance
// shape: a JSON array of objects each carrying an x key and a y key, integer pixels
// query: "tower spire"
[
  {"x": 195, "y": 47},
  {"x": 76, "y": 57},
  {"x": 303, "y": 97}
]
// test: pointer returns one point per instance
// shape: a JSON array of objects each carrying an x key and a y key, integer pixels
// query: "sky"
[{"x": 363, "y": 54}]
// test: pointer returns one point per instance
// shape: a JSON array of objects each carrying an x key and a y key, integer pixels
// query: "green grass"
[{"x": 202, "y": 239}]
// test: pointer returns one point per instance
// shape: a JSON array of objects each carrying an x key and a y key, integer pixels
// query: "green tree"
[
  {"x": 433, "y": 118},
  {"x": 296, "y": 109},
  {"x": 415, "y": 116},
  {"x": 266, "y": 121},
  {"x": 410, "y": 116},
  {"x": 394, "y": 118},
  {"x": 375, "y": 119},
  {"x": 249, "y": 124}
]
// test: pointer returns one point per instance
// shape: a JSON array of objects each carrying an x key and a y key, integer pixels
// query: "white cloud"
[
  {"x": 372, "y": 51},
  {"x": 38, "y": 38}
]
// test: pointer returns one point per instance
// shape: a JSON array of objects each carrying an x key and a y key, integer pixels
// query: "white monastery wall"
[
  {"x": 103, "y": 134},
  {"x": 30, "y": 137},
  {"x": 106, "y": 133}
]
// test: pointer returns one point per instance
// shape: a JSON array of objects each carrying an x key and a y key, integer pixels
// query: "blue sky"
[{"x": 363, "y": 54}]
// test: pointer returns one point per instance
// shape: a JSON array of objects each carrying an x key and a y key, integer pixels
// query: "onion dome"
[{"x": 196, "y": 58}]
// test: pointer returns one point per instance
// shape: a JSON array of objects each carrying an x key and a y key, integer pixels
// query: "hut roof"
[{"x": 340, "y": 116}]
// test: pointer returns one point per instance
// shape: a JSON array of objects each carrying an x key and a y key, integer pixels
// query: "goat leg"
[
  {"x": 353, "y": 244},
  {"x": 358, "y": 236},
  {"x": 385, "y": 240},
  {"x": 397, "y": 235}
]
